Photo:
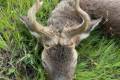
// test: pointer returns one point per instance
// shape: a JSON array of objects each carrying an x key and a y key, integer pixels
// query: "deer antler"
[
  {"x": 31, "y": 22},
  {"x": 70, "y": 32}
]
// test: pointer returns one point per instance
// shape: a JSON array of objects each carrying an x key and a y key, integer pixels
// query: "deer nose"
[{"x": 61, "y": 78}]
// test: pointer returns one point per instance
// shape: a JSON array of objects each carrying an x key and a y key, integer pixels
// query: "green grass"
[{"x": 20, "y": 58}]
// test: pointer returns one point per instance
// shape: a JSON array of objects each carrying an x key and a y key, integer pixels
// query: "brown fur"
[{"x": 108, "y": 9}]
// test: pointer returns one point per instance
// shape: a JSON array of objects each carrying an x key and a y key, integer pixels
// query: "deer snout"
[{"x": 62, "y": 78}]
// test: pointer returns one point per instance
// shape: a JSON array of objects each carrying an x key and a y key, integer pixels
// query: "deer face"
[
  {"x": 60, "y": 62},
  {"x": 59, "y": 56}
]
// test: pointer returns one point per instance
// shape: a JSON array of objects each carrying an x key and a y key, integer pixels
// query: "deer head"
[{"x": 59, "y": 56}]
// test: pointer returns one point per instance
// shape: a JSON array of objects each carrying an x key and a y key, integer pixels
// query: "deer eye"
[
  {"x": 46, "y": 45},
  {"x": 71, "y": 44}
]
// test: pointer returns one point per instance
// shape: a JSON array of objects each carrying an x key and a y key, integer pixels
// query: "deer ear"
[
  {"x": 94, "y": 23},
  {"x": 26, "y": 21},
  {"x": 29, "y": 25}
]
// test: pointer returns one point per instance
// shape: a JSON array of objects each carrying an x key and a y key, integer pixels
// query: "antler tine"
[
  {"x": 81, "y": 27},
  {"x": 31, "y": 21}
]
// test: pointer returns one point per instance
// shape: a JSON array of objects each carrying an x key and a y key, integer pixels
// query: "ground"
[{"x": 20, "y": 58}]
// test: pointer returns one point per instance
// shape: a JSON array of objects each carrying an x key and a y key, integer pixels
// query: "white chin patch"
[
  {"x": 35, "y": 34},
  {"x": 83, "y": 36}
]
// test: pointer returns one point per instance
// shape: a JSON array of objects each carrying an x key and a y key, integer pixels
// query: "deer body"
[
  {"x": 68, "y": 24},
  {"x": 108, "y": 9}
]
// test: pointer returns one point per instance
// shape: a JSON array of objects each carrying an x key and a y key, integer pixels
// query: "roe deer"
[{"x": 67, "y": 25}]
